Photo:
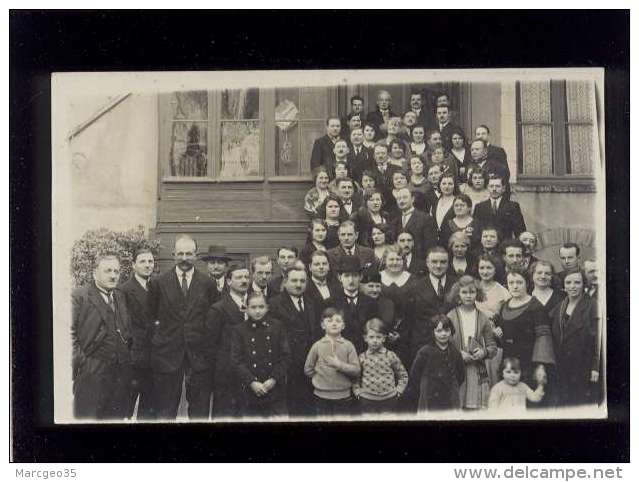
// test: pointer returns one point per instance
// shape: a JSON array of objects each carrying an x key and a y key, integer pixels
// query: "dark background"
[{"x": 45, "y": 42}]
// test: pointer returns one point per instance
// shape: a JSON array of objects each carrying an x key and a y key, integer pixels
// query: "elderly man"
[
  {"x": 183, "y": 345},
  {"x": 322, "y": 153},
  {"x": 529, "y": 240},
  {"x": 101, "y": 341},
  {"x": 380, "y": 116}
]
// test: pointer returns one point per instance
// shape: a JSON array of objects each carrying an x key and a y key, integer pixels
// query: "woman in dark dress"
[
  {"x": 333, "y": 214},
  {"x": 369, "y": 215},
  {"x": 542, "y": 274},
  {"x": 461, "y": 260},
  {"x": 315, "y": 241},
  {"x": 398, "y": 284},
  {"x": 461, "y": 221},
  {"x": 577, "y": 340},
  {"x": 523, "y": 328}
]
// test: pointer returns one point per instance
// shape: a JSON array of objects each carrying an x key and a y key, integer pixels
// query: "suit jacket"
[
  {"x": 424, "y": 230},
  {"x": 498, "y": 154},
  {"x": 359, "y": 162},
  {"x": 493, "y": 168},
  {"x": 356, "y": 317},
  {"x": 577, "y": 348},
  {"x": 138, "y": 307},
  {"x": 426, "y": 304},
  {"x": 364, "y": 254},
  {"x": 320, "y": 303},
  {"x": 218, "y": 293},
  {"x": 364, "y": 222},
  {"x": 322, "y": 154},
  {"x": 384, "y": 181},
  {"x": 223, "y": 317},
  {"x": 302, "y": 330},
  {"x": 417, "y": 265},
  {"x": 509, "y": 221},
  {"x": 269, "y": 292},
  {"x": 89, "y": 318},
  {"x": 377, "y": 119},
  {"x": 179, "y": 324}
]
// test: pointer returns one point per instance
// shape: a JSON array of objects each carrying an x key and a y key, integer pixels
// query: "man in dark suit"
[
  {"x": 500, "y": 212},
  {"x": 297, "y": 312},
  {"x": 421, "y": 225},
  {"x": 322, "y": 153},
  {"x": 357, "y": 307},
  {"x": 348, "y": 235},
  {"x": 371, "y": 285},
  {"x": 430, "y": 298},
  {"x": 383, "y": 170},
  {"x": 592, "y": 276},
  {"x": 445, "y": 126},
  {"x": 424, "y": 118},
  {"x": 512, "y": 256},
  {"x": 217, "y": 262},
  {"x": 412, "y": 263},
  {"x": 228, "y": 312},
  {"x": 494, "y": 152},
  {"x": 380, "y": 116},
  {"x": 286, "y": 257},
  {"x": 569, "y": 257},
  {"x": 101, "y": 341},
  {"x": 360, "y": 157},
  {"x": 346, "y": 192},
  {"x": 136, "y": 293},
  {"x": 357, "y": 109},
  {"x": 320, "y": 287},
  {"x": 492, "y": 167},
  {"x": 261, "y": 275},
  {"x": 182, "y": 344}
]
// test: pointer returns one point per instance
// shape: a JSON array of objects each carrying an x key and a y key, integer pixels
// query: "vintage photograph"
[{"x": 328, "y": 245}]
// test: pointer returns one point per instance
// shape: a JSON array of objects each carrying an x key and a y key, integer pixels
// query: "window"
[
  {"x": 556, "y": 129},
  {"x": 241, "y": 134}
]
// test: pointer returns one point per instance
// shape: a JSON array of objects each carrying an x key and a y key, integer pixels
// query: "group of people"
[{"x": 418, "y": 289}]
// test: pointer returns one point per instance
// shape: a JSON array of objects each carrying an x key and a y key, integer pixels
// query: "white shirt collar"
[
  {"x": 238, "y": 300},
  {"x": 143, "y": 282},
  {"x": 189, "y": 274},
  {"x": 257, "y": 288},
  {"x": 435, "y": 281}
]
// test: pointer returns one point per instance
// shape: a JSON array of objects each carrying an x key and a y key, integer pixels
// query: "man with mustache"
[
  {"x": 181, "y": 341},
  {"x": 228, "y": 312}
]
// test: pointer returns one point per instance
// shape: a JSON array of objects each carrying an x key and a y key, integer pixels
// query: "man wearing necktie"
[
  {"x": 101, "y": 341},
  {"x": 217, "y": 263},
  {"x": 361, "y": 158},
  {"x": 261, "y": 275},
  {"x": 182, "y": 345},
  {"x": 499, "y": 211},
  {"x": 136, "y": 291},
  {"x": 430, "y": 298},
  {"x": 445, "y": 126},
  {"x": 347, "y": 234},
  {"x": 322, "y": 153},
  {"x": 228, "y": 312}
]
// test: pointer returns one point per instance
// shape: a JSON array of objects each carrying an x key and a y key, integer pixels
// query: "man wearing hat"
[
  {"x": 217, "y": 263},
  {"x": 357, "y": 307},
  {"x": 227, "y": 312}
]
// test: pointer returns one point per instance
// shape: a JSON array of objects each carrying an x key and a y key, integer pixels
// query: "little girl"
[
  {"x": 438, "y": 370},
  {"x": 474, "y": 338},
  {"x": 333, "y": 366},
  {"x": 511, "y": 394}
]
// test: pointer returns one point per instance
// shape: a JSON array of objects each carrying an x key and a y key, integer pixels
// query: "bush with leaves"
[{"x": 97, "y": 242}]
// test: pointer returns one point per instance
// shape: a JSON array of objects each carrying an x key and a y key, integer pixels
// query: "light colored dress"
[
  {"x": 511, "y": 398},
  {"x": 475, "y": 196},
  {"x": 496, "y": 296}
]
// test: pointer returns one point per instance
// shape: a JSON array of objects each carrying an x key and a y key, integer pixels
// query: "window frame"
[{"x": 560, "y": 142}]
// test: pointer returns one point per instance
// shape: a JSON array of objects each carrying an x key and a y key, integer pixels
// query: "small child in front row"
[
  {"x": 438, "y": 370},
  {"x": 333, "y": 365},
  {"x": 511, "y": 394},
  {"x": 384, "y": 378}
]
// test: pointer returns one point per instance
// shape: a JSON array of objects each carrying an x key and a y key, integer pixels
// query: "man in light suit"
[
  {"x": 322, "y": 153},
  {"x": 101, "y": 341},
  {"x": 421, "y": 225},
  {"x": 136, "y": 293},
  {"x": 430, "y": 298},
  {"x": 182, "y": 343},
  {"x": 500, "y": 212},
  {"x": 348, "y": 234}
]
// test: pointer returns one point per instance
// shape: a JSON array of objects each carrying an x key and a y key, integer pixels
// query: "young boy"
[
  {"x": 332, "y": 364},
  {"x": 260, "y": 355},
  {"x": 384, "y": 378}
]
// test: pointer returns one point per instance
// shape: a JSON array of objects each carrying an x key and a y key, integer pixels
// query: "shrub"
[{"x": 101, "y": 241}]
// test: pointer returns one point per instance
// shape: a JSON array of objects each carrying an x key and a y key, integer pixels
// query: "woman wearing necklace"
[
  {"x": 442, "y": 209},
  {"x": 461, "y": 153},
  {"x": 462, "y": 221},
  {"x": 317, "y": 194},
  {"x": 474, "y": 339},
  {"x": 577, "y": 339},
  {"x": 368, "y": 215},
  {"x": 398, "y": 285},
  {"x": 524, "y": 328},
  {"x": 461, "y": 260}
]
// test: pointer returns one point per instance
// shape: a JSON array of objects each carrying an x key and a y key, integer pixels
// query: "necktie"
[
  {"x": 146, "y": 285},
  {"x": 185, "y": 285},
  {"x": 440, "y": 288},
  {"x": 300, "y": 306},
  {"x": 111, "y": 303},
  {"x": 494, "y": 201}
]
